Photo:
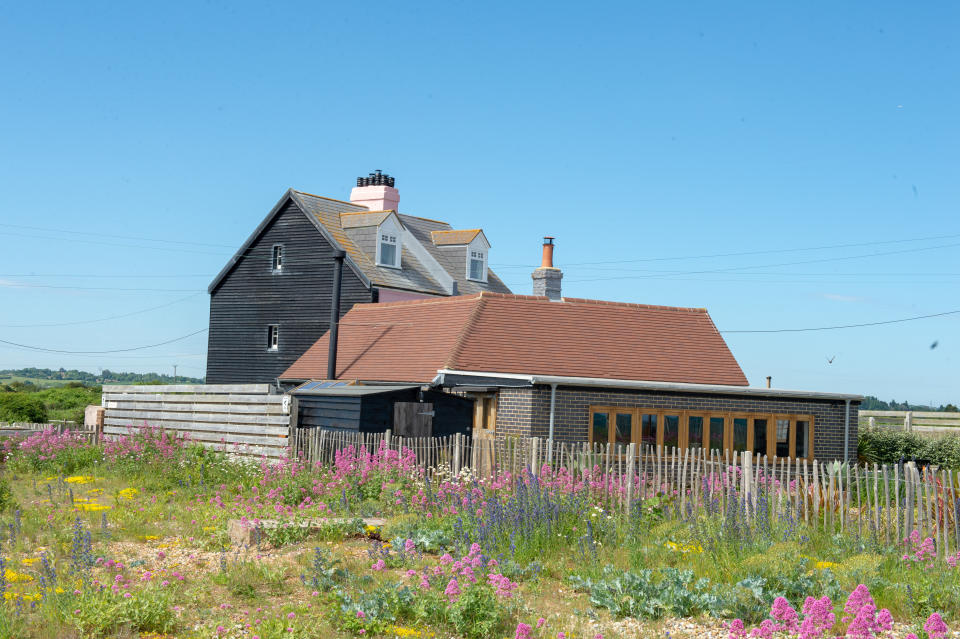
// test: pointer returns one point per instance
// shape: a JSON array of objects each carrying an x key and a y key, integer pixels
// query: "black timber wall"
[{"x": 252, "y": 296}]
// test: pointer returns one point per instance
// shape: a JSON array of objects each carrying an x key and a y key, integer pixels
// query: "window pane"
[
  {"x": 760, "y": 436},
  {"x": 739, "y": 434},
  {"x": 388, "y": 254},
  {"x": 624, "y": 428},
  {"x": 476, "y": 269},
  {"x": 601, "y": 428},
  {"x": 803, "y": 437},
  {"x": 648, "y": 430},
  {"x": 783, "y": 438},
  {"x": 716, "y": 433},
  {"x": 695, "y": 432},
  {"x": 277, "y": 257},
  {"x": 671, "y": 431}
]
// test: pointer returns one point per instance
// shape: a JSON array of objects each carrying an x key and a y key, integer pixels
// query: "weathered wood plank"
[
  {"x": 218, "y": 418},
  {"x": 272, "y": 408},
  {"x": 194, "y": 398},
  {"x": 197, "y": 436},
  {"x": 253, "y": 389},
  {"x": 203, "y": 426}
]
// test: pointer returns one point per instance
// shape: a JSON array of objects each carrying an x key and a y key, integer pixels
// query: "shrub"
[
  {"x": 884, "y": 446},
  {"x": 21, "y": 407},
  {"x": 477, "y": 614}
]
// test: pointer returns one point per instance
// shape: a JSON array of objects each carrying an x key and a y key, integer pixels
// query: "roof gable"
[{"x": 487, "y": 332}]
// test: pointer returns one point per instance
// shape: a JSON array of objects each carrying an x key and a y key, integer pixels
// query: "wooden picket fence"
[
  {"x": 25, "y": 429},
  {"x": 883, "y": 502}
]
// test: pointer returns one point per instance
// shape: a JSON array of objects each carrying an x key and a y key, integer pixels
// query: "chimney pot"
[
  {"x": 376, "y": 192},
  {"x": 769, "y": 381},
  {"x": 546, "y": 279}
]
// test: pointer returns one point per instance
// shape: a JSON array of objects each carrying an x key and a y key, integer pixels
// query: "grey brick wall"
[{"x": 526, "y": 412}]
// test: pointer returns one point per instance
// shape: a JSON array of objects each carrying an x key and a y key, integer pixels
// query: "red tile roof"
[{"x": 494, "y": 332}]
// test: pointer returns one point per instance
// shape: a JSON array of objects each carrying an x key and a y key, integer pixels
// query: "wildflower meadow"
[{"x": 152, "y": 535}]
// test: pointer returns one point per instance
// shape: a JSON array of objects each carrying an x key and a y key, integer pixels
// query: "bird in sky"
[
  {"x": 934, "y": 345},
  {"x": 830, "y": 359}
]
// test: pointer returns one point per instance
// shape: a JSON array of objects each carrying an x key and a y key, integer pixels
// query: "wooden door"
[{"x": 412, "y": 419}]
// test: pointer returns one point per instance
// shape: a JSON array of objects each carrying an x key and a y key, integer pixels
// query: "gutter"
[{"x": 679, "y": 387}]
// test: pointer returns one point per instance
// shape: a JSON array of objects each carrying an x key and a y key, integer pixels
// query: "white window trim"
[
  {"x": 389, "y": 228},
  {"x": 273, "y": 258},
  {"x": 273, "y": 337},
  {"x": 478, "y": 247}
]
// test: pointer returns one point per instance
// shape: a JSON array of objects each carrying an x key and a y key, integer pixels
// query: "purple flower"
[{"x": 935, "y": 626}]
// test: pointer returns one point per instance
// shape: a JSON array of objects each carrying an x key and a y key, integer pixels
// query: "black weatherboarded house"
[{"x": 272, "y": 301}]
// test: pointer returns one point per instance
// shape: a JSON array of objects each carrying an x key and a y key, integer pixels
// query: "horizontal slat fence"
[
  {"x": 926, "y": 422},
  {"x": 884, "y": 503},
  {"x": 244, "y": 418}
]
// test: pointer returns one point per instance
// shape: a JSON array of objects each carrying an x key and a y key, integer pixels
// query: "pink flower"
[
  {"x": 540, "y": 622},
  {"x": 291, "y": 615},
  {"x": 452, "y": 590},
  {"x": 379, "y": 565},
  {"x": 523, "y": 631},
  {"x": 360, "y": 614},
  {"x": 935, "y": 626},
  {"x": 736, "y": 629}
]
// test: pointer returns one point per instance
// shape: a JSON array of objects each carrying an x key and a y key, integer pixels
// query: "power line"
[
  {"x": 144, "y": 246},
  {"x": 102, "y": 319},
  {"x": 118, "y": 350},
  {"x": 831, "y": 328},
  {"x": 118, "y": 237},
  {"x": 744, "y": 253},
  {"x": 125, "y": 276},
  {"x": 742, "y": 268},
  {"x": 12, "y": 284}
]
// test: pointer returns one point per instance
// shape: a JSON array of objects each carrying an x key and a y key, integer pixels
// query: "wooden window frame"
[
  {"x": 273, "y": 338},
  {"x": 276, "y": 258},
  {"x": 683, "y": 436}
]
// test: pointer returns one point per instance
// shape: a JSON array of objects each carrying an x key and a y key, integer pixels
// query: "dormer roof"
[{"x": 455, "y": 237}]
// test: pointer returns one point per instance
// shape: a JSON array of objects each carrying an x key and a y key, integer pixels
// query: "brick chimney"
[
  {"x": 546, "y": 279},
  {"x": 376, "y": 192}
]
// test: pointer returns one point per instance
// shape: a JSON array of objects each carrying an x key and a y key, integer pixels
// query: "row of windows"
[
  {"x": 389, "y": 255},
  {"x": 768, "y": 434}
]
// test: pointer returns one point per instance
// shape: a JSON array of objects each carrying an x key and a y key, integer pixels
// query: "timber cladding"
[
  {"x": 525, "y": 412},
  {"x": 296, "y": 299},
  {"x": 243, "y": 417}
]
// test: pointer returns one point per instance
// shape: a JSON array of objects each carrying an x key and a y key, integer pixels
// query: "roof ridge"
[
  {"x": 656, "y": 307},
  {"x": 465, "y": 332},
  {"x": 449, "y": 299},
  {"x": 419, "y": 217},
  {"x": 342, "y": 213},
  {"x": 322, "y": 197},
  {"x": 459, "y": 231}
]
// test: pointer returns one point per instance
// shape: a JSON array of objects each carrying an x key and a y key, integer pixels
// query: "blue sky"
[{"x": 142, "y": 144}]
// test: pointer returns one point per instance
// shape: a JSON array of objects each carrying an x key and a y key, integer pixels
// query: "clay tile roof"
[
  {"x": 499, "y": 333},
  {"x": 446, "y": 238}
]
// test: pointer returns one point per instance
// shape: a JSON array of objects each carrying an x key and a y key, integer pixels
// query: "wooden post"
[{"x": 631, "y": 454}]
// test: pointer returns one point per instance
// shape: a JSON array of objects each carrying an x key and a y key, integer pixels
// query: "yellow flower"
[
  {"x": 370, "y": 529},
  {"x": 694, "y": 548},
  {"x": 93, "y": 508},
  {"x": 95, "y": 491},
  {"x": 29, "y": 561},
  {"x": 821, "y": 565},
  {"x": 149, "y": 537},
  {"x": 12, "y": 576},
  {"x": 128, "y": 493},
  {"x": 80, "y": 479},
  {"x": 400, "y": 631},
  {"x": 209, "y": 528}
]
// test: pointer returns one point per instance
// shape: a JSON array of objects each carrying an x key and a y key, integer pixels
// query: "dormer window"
[
  {"x": 277, "y": 261},
  {"x": 477, "y": 266},
  {"x": 389, "y": 254}
]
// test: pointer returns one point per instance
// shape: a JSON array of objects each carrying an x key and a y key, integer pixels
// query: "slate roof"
[
  {"x": 353, "y": 228},
  {"x": 498, "y": 333}
]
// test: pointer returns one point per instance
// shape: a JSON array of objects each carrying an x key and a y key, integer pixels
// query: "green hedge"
[{"x": 885, "y": 446}]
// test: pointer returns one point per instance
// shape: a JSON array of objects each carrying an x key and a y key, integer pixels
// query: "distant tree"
[
  {"x": 950, "y": 408},
  {"x": 21, "y": 407}
]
